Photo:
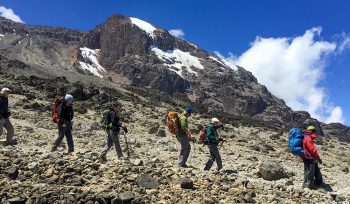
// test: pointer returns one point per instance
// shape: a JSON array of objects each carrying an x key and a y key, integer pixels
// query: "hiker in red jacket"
[{"x": 312, "y": 173}]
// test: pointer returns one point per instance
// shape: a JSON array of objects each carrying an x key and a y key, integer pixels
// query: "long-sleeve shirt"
[
  {"x": 4, "y": 107},
  {"x": 114, "y": 120},
  {"x": 310, "y": 151},
  {"x": 183, "y": 124},
  {"x": 65, "y": 113}
]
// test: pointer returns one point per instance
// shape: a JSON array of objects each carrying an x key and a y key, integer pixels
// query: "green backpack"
[{"x": 105, "y": 119}]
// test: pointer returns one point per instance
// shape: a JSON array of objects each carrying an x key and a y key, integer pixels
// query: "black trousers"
[{"x": 312, "y": 174}]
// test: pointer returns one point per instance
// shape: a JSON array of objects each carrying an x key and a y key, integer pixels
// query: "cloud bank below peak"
[
  {"x": 291, "y": 68},
  {"x": 10, "y": 14}
]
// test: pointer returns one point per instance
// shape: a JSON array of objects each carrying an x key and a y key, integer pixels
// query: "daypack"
[
  {"x": 295, "y": 141},
  {"x": 173, "y": 122},
  {"x": 203, "y": 135},
  {"x": 54, "y": 109},
  {"x": 105, "y": 119}
]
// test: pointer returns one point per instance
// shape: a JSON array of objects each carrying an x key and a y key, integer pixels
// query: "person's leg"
[
  {"x": 69, "y": 138},
  {"x": 106, "y": 148},
  {"x": 318, "y": 176},
  {"x": 185, "y": 149},
  {"x": 217, "y": 156},
  {"x": 309, "y": 173},
  {"x": 61, "y": 132},
  {"x": 10, "y": 131},
  {"x": 115, "y": 139},
  {"x": 211, "y": 160},
  {"x": 2, "y": 123}
]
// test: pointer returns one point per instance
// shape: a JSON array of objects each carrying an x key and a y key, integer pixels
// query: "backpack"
[
  {"x": 173, "y": 122},
  {"x": 54, "y": 108},
  {"x": 105, "y": 119},
  {"x": 295, "y": 141},
  {"x": 203, "y": 135}
]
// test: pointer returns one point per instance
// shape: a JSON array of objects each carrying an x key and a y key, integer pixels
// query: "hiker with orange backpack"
[
  {"x": 5, "y": 116},
  {"x": 184, "y": 137},
  {"x": 212, "y": 140},
  {"x": 65, "y": 116},
  {"x": 312, "y": 173}
]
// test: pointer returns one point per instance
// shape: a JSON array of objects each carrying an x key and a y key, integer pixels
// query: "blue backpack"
[{"x": 295, "y": 141}]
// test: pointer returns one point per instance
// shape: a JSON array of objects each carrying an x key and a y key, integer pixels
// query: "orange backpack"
[
  {"x": 173, "y": 122},
  {"x": 55, "y": 104}
]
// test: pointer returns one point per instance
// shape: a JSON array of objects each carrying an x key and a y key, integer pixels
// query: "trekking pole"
[
  {"x": 222, "y": 145},
  {"x": 126, "y": 142}
]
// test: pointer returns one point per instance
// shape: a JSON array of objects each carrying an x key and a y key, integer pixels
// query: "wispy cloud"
[
  {"x": 9, "y": 14},
  {"x": 291, "y": 68},
  {"x": 177, "y": 33}
]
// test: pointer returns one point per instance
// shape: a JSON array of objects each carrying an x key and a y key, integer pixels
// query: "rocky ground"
[{"x": 257, "y": 165}]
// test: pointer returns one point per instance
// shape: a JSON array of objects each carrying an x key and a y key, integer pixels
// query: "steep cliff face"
[{"x": 130, "y": 51}]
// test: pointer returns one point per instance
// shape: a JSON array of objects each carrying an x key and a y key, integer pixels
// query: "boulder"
[{"x": 271, "y": 170}]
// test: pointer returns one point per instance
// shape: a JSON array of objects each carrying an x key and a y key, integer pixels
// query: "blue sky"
[{"x": 307, "y": 41}]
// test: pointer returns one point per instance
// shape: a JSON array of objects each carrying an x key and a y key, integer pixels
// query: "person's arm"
[
  {"x": 60, "y": 113},
  {"x": 309, "y": 145}
]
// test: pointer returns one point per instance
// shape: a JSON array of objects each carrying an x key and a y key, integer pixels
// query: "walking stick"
[{"x": 126, "y": 142}]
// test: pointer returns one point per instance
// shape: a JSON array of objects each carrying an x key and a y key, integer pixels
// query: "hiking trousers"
[
  {"x": 312, "y": 174},
  {"x": 112, "y": 138},
  {"x": 65, "y": 131},
  {"x": 185, "y": 148},
  {"x": 6, "y": 123},
  {"x": 214, "y": 156}
]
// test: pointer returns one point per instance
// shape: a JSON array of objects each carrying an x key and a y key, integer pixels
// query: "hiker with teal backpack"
[
  {"x": 301, "y": 144},
  {"x": 111, "y": 123},
  {"x": 212, "y": 138},
  {"x": 184, "y": 137}
]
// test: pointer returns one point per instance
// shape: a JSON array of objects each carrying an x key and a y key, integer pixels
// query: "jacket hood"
[{"x": 310, "y": 133}]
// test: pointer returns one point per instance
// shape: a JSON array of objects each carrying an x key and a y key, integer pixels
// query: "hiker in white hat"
[
  {"x": 213, "y": 140},
  {"x": 5, "y": 116}
]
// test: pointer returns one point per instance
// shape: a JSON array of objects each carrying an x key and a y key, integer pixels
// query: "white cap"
[
  {"x": 68, "y": 97},
  {"x": 215, "y": 120},
  {"x": 3, "y": 90}
]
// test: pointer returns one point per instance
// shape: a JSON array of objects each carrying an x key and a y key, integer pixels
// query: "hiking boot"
[
  {"x": 10, "y": 143},
  {"x": 53, "y": 149},
  {"x": 103, "y": 158},
  {"x": 183, "y": 165}
]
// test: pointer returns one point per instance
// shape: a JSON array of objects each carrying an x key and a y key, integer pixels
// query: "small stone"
[
  {"x": 11, "y": 172},
  {"x": 138, "y": 162},
  {"x": 186, "y": 183},
  {"x": 33, "y": 167},
  {"x": 146, "y": 181},
  {"x": 17, "y": 200},
  {"x": 127, "y": 196}
]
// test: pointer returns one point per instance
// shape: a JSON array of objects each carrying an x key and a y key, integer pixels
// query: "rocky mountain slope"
[
  {"x": 126, "y": 50},
  {"x": 257, "y": 167}
]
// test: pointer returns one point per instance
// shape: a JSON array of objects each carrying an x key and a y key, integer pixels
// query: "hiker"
[
  {"x": 184, "y": 137},
  {"x": 5, "y": 116},
  {"x": 312, "y": 173},
  {"x": 112, "y": 130},
  {"x": 65, "y": 117},
  {"x": 213, "y": 142}
]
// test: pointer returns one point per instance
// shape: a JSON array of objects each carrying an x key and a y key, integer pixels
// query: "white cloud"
[
  {"x": 291, "y": 68},
  {"x": 9, "y": 14},
  {"x": 177, "y": 33}
]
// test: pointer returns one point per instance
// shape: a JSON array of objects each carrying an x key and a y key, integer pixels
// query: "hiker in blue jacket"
[{"x": 213, "y": 141}]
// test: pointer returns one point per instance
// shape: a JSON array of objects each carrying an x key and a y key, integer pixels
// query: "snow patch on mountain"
[
  {"x": 177, "y": 59},
  {"x": 1, "y": 36},
  {"x": 218, "y": 61},
  {"x": 227, "y": 63},
  {"x": 91, "y": 63},
  {"x": 143, "y": 25}
]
